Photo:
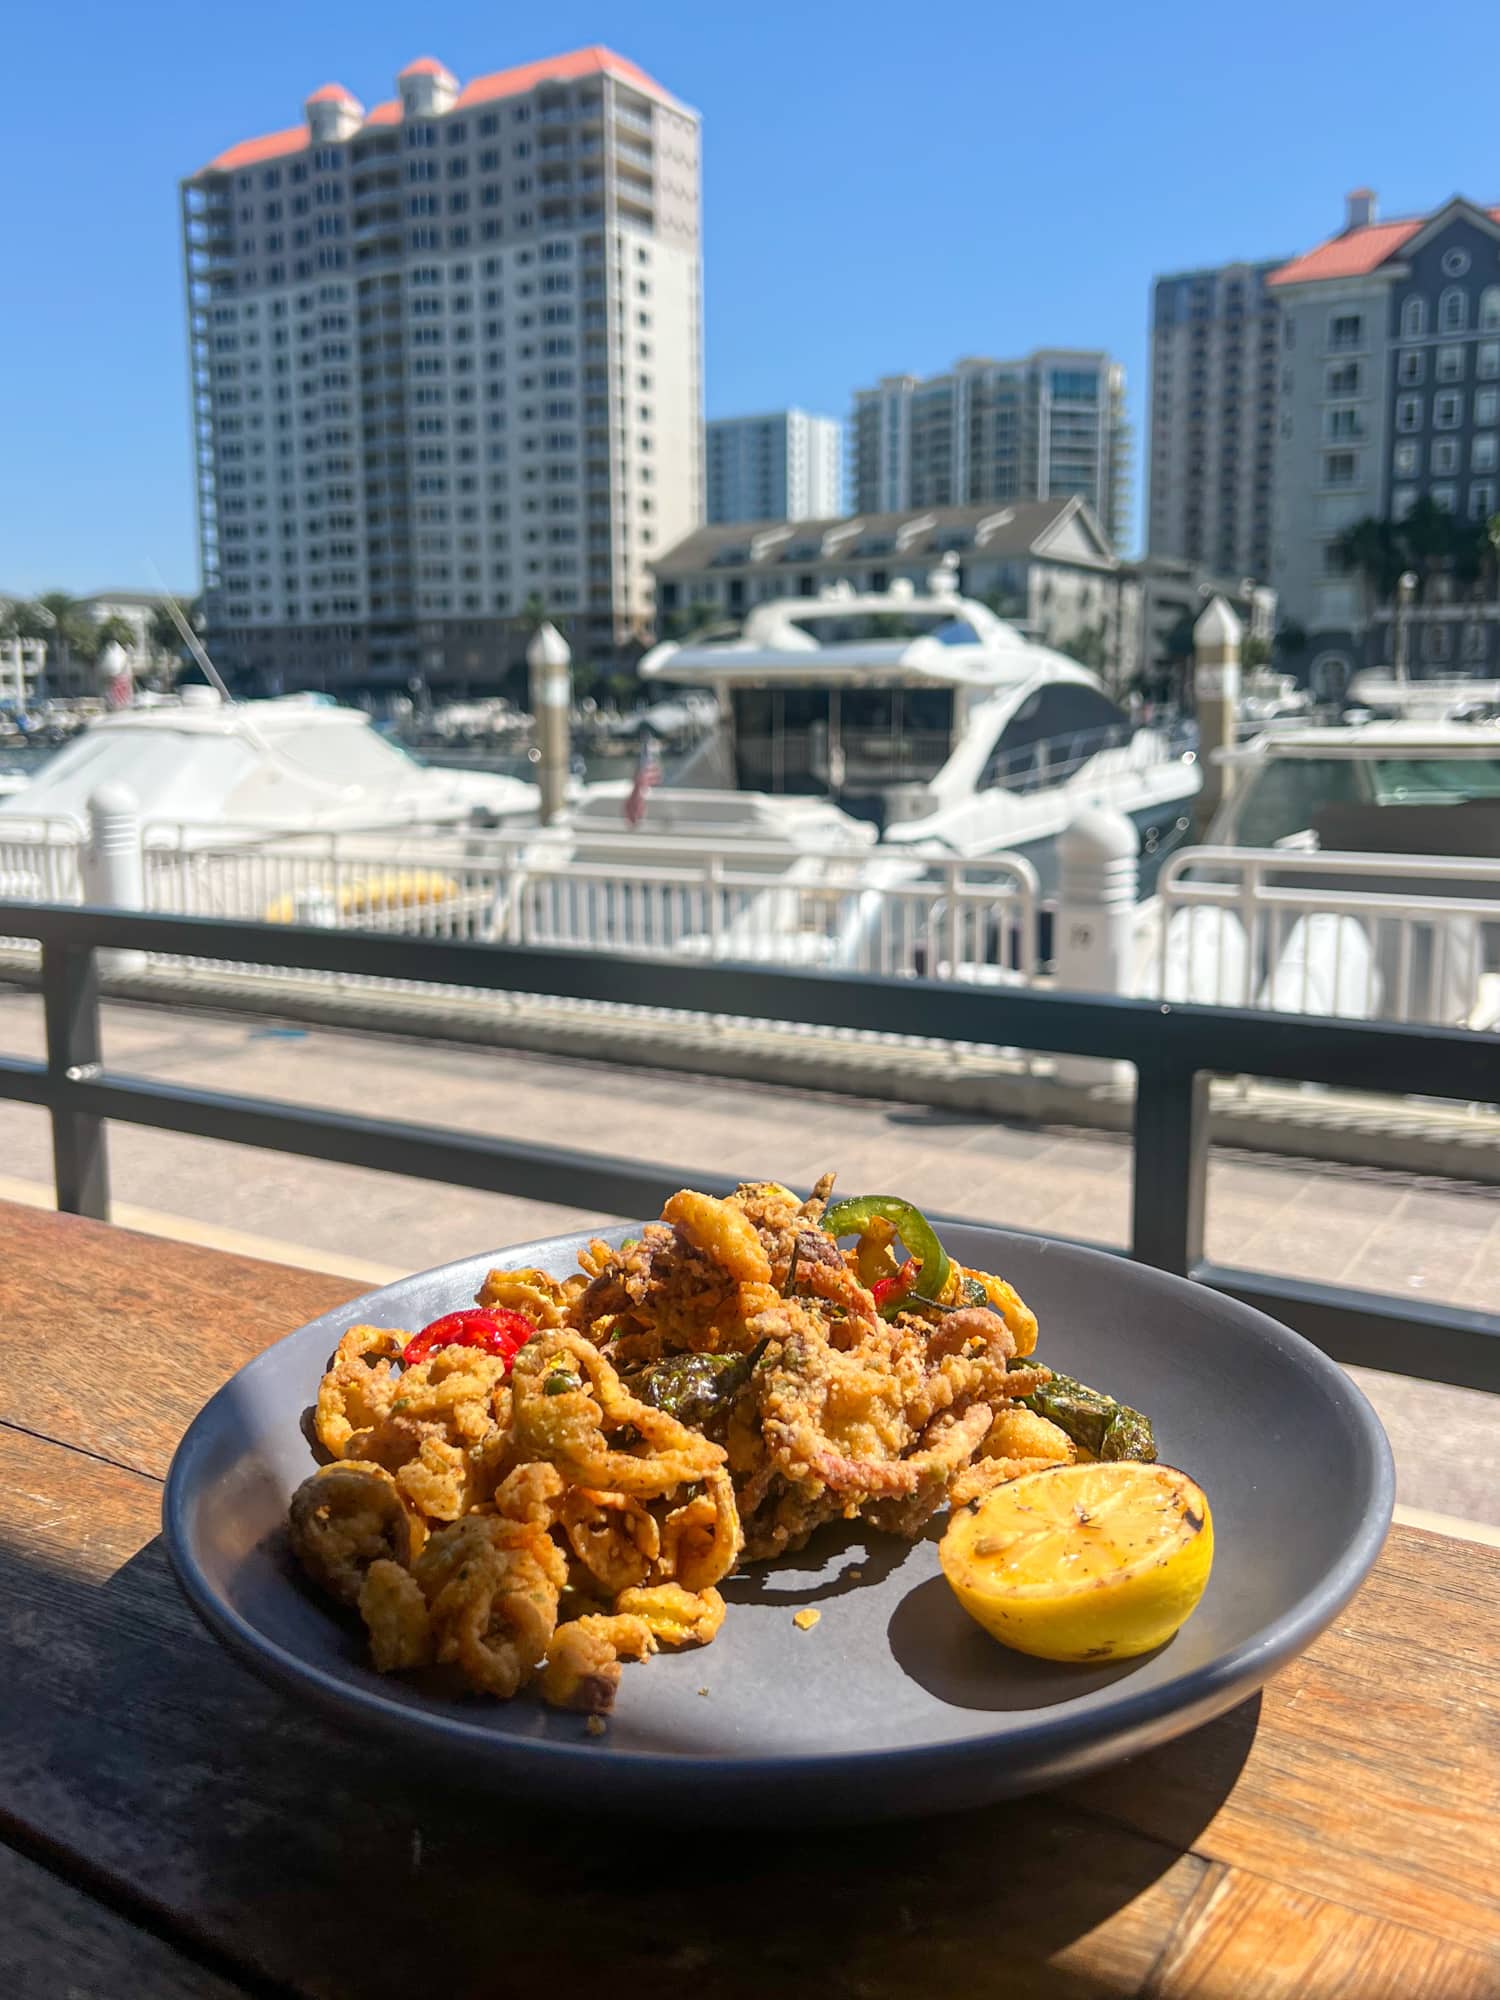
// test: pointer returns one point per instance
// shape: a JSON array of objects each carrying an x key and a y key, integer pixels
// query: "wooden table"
[{"x": 171, "y": 1827}]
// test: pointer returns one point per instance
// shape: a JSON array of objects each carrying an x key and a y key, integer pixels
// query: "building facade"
[
  {"x": 1174, "y": 595},
  {"x": 1044, "y": 565},
  {"x": 785, "y": 467},
  {"x": 1390, "y": 394},
  {"x": 446, "y": 363},
  {"x": 1215, "y": 367},
  {"x": 1051, "y": 426}
]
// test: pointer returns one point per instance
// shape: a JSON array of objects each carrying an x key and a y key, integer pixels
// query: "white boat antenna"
[
  {"x": 193, "y": 643},
  {"x": 241, "y": 720}
]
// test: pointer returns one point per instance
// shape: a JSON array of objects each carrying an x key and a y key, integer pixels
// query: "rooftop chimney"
[{"x": 1359, "y": 208}]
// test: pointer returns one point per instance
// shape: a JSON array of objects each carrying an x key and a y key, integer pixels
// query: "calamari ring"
[
  {"x": 583, "y": 1660},
  {"x": 495, "y": 1618},
  {"x": 344, "y": 1518},
  {"x": 359, "y": 1385},
  {"x": 701, "y": 1540},
  {"x": 721, "y": 1232},
  {"x": 612, "y": 1535},
  {"x": 564, "y": 1391}
]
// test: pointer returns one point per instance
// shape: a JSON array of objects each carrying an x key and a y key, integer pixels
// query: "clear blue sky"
[{"x": 885, "y": 188}]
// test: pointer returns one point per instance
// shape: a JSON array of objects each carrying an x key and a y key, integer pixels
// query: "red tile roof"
[
  {"x": 596, "y": 61},
  {"x": 333, "y": 93},
  {"x": 1354, "y": 252},
  {"x": 249, "y": 152},
  {"x": 424, "y": 66}
]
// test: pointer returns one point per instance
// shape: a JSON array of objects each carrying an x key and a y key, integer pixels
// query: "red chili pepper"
[
  {"x": 885, "y": 1291},
  {"x": 495, "y": 1330}
]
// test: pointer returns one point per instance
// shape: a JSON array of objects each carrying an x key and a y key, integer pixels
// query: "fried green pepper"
[
  {"x": 1097, "y": 1422},
  {"x": 853, "y": 1218},
  {"x": 696, "y": 1388}
]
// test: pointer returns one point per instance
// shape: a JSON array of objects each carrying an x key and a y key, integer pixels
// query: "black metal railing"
[{"x": 1175, "y": 1050}]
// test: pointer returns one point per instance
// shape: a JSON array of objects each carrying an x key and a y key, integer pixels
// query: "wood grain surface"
[
  {"x": 1338, "y": 1834},
  {"x": 57, "y": 1943}
]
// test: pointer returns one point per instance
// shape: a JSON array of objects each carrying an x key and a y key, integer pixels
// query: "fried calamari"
[{"x": 562, "y": 1487}]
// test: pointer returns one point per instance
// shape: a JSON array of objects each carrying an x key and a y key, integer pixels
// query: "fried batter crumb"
[
  {"x": 703, "y": 1691},
  {"x": 805, "y": 1620},
  {"x": 856, "y": 1576},
  {"x": 596, "y": 1725}
]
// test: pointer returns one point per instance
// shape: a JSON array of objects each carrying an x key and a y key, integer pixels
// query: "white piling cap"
[
  {"x": 1217, "y": 624},
  {"x": 1098, "y": 835},
  {"x": 548, "y": 648},
  {"x": 113, "y": 800}
]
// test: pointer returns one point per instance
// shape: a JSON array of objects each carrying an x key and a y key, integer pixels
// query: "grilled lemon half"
[{"x": 1083, "y": 1562}]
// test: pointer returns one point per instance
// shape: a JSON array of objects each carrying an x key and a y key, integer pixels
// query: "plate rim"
[{"x": 1199, "y": 1692}]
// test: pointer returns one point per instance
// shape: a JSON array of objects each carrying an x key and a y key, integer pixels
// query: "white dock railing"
[
  {"x": 1389, "y": 937},
  {"x": 1361, "y": 936},
  {"x": 856, "y": 910}
]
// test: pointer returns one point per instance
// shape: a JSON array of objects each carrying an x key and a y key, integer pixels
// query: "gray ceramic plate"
[{"x": 894, "y": 1703}]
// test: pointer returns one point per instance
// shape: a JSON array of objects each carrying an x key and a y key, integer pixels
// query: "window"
[
  {"x": 1484, "y": 455},
  {"x": 1486, "y": 406},
  {"x": 1343, "y": 424},
  {"x": 1408, "y": 413},
  {"x": 1447, "y": 411},
  {"x": 1437, "y": 641},
  {"x": 1413, "y": 319},
  {"x": 1450, "y": 364},
  {"x": 1481, "y": 500},
  {"x": 1445, "y": 496},
  {"x": 1343, "y": 379},
  {"x": 1453, "y": 311},
  {"x": 1412, "y": 367},
  {"x": 1346, "y": 330},
  {"x": 1339, "y": 468},
  {"x": 1403, "y": 499},
  {"x": 1405, "y": 460},
  {"x": 1487, "y": 365},
  {"x": 1474, "y": 646},
  {"x": 1489, "y": 309},
  {"x": 1445, "y": 455}
]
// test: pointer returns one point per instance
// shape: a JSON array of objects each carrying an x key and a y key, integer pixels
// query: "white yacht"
[
  {"x": 920, "y": 720},
  {"x": 221, "y": 771},
  {"x": 1386, "y": 788}
]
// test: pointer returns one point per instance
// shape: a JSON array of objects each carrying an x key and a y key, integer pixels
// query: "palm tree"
[{"x": 1369, "y": 549}]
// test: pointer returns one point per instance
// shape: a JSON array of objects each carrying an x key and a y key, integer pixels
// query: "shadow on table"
[{"x": 131, "y": 1740}]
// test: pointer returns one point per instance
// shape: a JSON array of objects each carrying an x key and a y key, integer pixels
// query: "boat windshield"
[
  {"x": 1294, "y": 795},
  {"x": 852, "y": 628},
  {"x": 840, "y": 740},
  {"x": 1434, "y": 781}
]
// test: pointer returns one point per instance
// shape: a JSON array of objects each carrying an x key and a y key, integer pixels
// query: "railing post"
[
  {"x": 1171, "y": 1165},
  {"x": 112, "y": 864},
  {"x": 70, "y": 1004},
  {"x": 1094, "y": 931}
]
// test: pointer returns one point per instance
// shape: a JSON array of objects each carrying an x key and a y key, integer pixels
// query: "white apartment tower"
[
  {"x": 785, "y": 467},
  {"x": 1215, "y": 381},
  {"x": 446, "y": 365},
  {"x": 1048, "y": 427}
]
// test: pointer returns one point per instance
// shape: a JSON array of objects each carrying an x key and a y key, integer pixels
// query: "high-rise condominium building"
[
  {"x": 447, "y": 363},
  {"x": 1215, "y": 359},
  {"x": 785, "y": 467},
  {"x": 1390, "y": 394},
  {"x": 1051, "y": 426}
]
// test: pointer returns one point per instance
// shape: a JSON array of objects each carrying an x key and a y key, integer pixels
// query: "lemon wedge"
[{"x": 1083, "y": 1562}]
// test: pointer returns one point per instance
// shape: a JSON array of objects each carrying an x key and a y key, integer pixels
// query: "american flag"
[{"x": 647, "y": 774}]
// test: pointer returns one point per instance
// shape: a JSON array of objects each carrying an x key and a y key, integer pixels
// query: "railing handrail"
[
  {"x": 1321, "y": 861},
  {"x": 1174, "y": 1048}
]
